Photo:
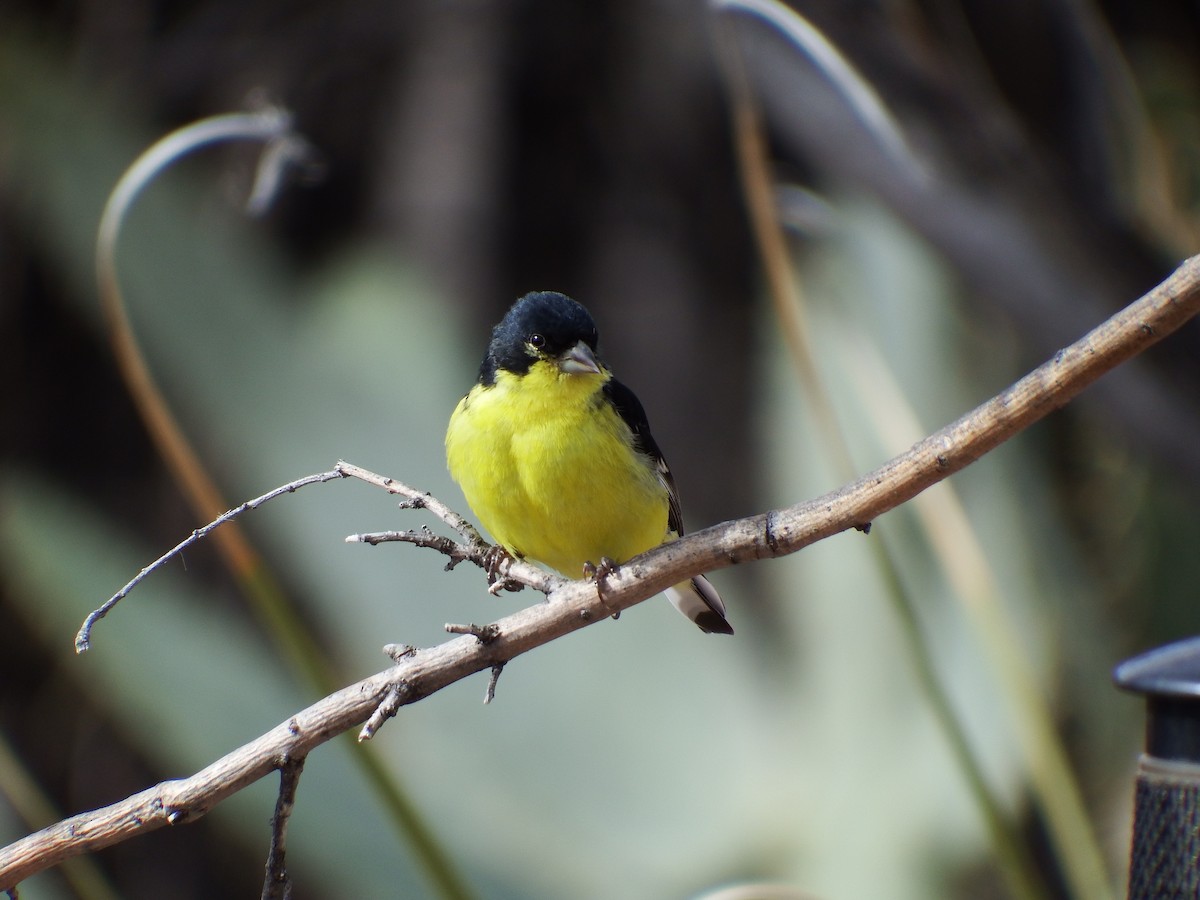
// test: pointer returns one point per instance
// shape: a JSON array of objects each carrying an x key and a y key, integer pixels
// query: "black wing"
[{"x": 630, "y": 409}]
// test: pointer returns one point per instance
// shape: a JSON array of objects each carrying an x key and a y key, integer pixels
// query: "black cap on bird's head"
[{"x": 544, "y": 325}]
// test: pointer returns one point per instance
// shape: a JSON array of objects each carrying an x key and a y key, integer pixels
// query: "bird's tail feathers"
[{"x": 699, "y": 601}]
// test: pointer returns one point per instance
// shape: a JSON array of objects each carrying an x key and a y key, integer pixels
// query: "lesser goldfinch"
[{"x": 555, "y": 456}]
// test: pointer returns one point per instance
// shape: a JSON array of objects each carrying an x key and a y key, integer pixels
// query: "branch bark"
[{"x": 573, "y": 605}]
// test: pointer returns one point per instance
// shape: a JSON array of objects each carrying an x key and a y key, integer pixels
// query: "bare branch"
[
  {"x": 576, "y": 604},
  {"x": 276, "y": 883},
  {"x": 503, "y": 571},
  {"x": 83, "y": 639},
  {"x": 1047, "y": 388}
]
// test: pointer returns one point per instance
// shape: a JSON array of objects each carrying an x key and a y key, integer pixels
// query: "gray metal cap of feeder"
[{"x": 1165, "y": 857}]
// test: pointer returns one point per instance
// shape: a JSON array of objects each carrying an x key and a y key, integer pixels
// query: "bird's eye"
[{"x": 537, "y": 341}]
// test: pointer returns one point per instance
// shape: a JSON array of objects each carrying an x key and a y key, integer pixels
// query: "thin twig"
[
  {"x": 388, "y": 707},
  {"x": 485, "y": 634},
  {"x": 575, "y": 604},
  {"x": 83, "y": 638},
  {"x": 490, "y": 694},
  {"x": 425, "y": 537},
  {"x": 277, "y": 885},
  {"x": 416, "y": 499},
  {"x": 475, "y": 549},
  {"x": 393, "y": 699},
  {"x": 504, "y": 572}
]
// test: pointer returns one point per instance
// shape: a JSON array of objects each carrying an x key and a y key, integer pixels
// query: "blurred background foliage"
[{"x": 472, "y": 151}]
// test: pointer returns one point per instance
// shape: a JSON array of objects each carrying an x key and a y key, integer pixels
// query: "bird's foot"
[
  {"x": 598, "y": 573},
  {"x": 495, "y": 559}
]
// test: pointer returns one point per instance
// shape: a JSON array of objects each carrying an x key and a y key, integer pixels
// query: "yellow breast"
[{"x": 549, "y": 469}]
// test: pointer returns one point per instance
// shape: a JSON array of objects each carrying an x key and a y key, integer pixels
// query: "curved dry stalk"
[{"x": 271, "y": 127}]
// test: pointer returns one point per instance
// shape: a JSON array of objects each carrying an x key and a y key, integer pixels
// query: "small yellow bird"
[{"x": 555, "y": 457}]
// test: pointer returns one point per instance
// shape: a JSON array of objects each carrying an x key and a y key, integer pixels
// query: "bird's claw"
[
  {"x": 494, "y": 560},
  {"x": 598, "y": 573}
]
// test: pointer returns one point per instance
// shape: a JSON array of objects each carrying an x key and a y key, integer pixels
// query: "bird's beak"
[{"x": 579, "y": 360}]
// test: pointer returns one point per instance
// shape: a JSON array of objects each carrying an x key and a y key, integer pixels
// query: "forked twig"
[
  {"x": 472, "y": 548},
  {"x": 504, "y": 572}
]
